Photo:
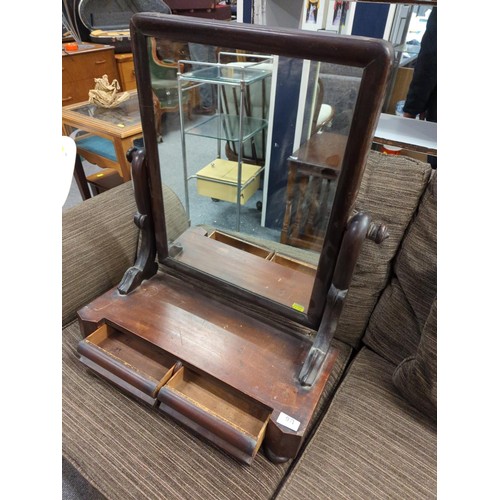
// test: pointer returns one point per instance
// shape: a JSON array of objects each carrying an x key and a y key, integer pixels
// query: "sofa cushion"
[
  {"x": 397, "y": 333},
  {"x": 416, "y": 263},
  {"x": 390, "y": 191},
  {"x": 100, "y": 242},
  {"x": 397, "y": 321},
  {"x": 416, "y": 376},
  {"x": 371, "y": 443},
  {"x": 128, "y": 450}
]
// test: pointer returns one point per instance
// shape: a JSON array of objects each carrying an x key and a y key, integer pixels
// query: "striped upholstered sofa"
[{"x": 374, "y": 434}]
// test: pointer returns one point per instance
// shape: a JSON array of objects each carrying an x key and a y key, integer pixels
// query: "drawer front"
[
  {"x": 69, "y": 96},
  {"x": 74, "y": 92},
  {"x": 69, "y": 65},
  {"x": 127, "y": 358},
  {"x": 67, "y": 77},
  {"x": 80, "y": 70},
  {"x": 90, "y": 64},
  {"x": 220, "y": 414}
]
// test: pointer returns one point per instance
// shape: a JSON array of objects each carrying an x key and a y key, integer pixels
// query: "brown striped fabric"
[
  {"x": 99, "y": 241},
  {"x": 176, "y": 219},
  {"x": 394, "y": 336},
  {"x": 416, "y": 376},
  {"x": 416, "y": 264},
  {"x": 128, "y": 450},
  {"x": 397, "y": 321},
  {"x": 390, "y": 192},
  {"x": 371, "y": 443}
]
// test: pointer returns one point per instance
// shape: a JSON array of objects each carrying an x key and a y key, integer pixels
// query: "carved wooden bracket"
[
  {"x": 145, "y": 265},
  {"x": 358, "y": 229}
]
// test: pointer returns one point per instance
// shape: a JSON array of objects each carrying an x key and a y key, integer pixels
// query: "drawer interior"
[
  {"x": 134, "y": 351},
  {"x": 220, "y": 400},
  {"x": 292, "y": 263},
  {"x": 240, "y": 244}
]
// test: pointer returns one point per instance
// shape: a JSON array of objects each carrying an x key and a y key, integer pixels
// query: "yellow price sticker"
[{"x": 298, "y": 307}]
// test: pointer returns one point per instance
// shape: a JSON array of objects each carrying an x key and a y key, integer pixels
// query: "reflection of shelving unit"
[{"x": 236, "y": 128}]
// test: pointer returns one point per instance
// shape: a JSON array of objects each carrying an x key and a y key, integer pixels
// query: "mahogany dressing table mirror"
[{"x": 227, "y": 327}]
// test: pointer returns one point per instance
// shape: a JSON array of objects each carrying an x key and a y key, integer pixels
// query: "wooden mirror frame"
[{"x": 375, "y": 57}]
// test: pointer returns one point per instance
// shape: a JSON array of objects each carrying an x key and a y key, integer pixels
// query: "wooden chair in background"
[{"x": 165, "y": 88}]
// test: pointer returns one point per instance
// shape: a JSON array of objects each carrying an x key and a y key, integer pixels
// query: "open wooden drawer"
[
  {"x": 263, "y": 252},
  {"x": 240, "y": 244},
  {"x": 228, "y": 418},
  {"x": 292, "y": 263},
  {"x": 127, "y": 360},
  {"x": 231, "y": 420}
]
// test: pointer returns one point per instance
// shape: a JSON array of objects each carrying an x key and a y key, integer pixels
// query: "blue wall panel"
[
  {"x": 370, "y": 19},
  {"x": 285, "y": 118}
]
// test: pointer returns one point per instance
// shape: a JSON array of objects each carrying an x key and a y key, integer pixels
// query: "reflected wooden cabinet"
[
  {"x": 79, "y": 69},
  {"x": 125, "y": 65}
]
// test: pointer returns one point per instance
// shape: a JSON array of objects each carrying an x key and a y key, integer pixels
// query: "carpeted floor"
[{"x": 74, "y": 487}]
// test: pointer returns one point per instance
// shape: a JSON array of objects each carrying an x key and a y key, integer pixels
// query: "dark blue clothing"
[{"x": 422, "y": 94}]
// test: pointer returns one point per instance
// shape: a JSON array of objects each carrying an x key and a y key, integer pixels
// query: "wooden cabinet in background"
[
  {"x": 125, "y": 64},
  {"x": 402, "y": 80},
  {"x": 79, "y": 69}
]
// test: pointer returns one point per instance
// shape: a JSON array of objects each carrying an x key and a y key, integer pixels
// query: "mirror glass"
[{"x": 252, "y": 144}]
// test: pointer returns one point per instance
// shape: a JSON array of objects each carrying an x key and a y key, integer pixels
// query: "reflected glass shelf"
[
  {"x": 409, "y": 48},
  {"x": 226, "y": 75},
  {"x": 226, "y": 127}
]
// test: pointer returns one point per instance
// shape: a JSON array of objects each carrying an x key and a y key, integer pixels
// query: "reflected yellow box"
[{"x": 219, "y": 180}]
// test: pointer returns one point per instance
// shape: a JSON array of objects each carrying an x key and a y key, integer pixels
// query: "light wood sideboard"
[
  {"x": 79, "y": 68},
  {"x": 125, "y": 65}
]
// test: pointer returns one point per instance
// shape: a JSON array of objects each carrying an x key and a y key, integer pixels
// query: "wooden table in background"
[
  {"x": 407, "y": 133},
  {"x": 120, "y": 125}
]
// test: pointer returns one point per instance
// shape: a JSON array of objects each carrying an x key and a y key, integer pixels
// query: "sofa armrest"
[
  {"x": 99, "y": 243},
  {"x": 390, "y": 192}
]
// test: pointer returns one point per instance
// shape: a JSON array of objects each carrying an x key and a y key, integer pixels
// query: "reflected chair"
[
  {"x": 72, "y": 160},
  {"x": 164, "y": 84},
  {"x": 323, "y": 113},
  {"x": 256, "y": 102},
  {"x": 313, "y": 171},
  {"x": 312, "y": 180}
]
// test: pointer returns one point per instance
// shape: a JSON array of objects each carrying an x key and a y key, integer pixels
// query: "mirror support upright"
[
  {"x": 145, "y": 266},
  {"x": 358, "y": 229}
]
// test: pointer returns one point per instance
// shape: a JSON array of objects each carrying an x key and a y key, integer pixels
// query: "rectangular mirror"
[{"x": 263, "y": 136}]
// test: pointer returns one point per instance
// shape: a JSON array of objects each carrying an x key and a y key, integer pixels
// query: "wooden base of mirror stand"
[{"x": 258, "y": 362}]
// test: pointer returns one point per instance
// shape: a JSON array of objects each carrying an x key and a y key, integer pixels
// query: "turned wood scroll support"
[
  {"x": 145, "y": 265},
  {"x": 358, "y": 229}
]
